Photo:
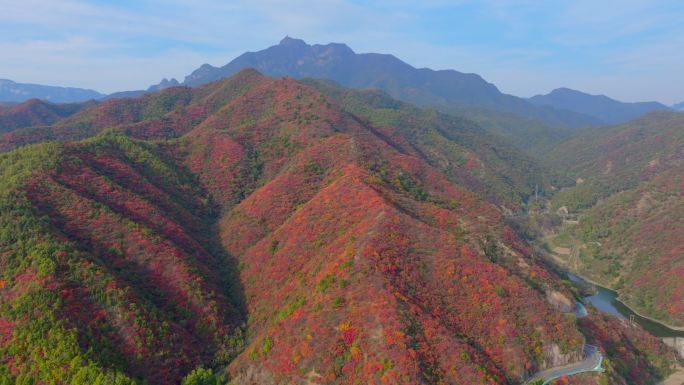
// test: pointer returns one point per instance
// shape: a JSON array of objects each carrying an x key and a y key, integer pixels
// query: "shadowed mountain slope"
[{"x": 110, "y": 267}]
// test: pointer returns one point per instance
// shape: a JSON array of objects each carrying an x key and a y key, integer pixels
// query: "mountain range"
[
  {"x": 12, "y": 92},
  {"x": 272, "y": 231},
  {"x": 19, "y": 92},
  {"x": 609, "y": 111},
  {"x": 530, "y": 123},
  {"x": 424, "y": 87},
  {"x": 679, "y": 106}
]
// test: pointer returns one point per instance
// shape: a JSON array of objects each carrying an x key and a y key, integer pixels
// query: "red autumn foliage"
[{"x": 359, "y": 261}]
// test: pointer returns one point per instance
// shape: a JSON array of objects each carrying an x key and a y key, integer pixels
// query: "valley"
[{"x": 629, "y": 201}]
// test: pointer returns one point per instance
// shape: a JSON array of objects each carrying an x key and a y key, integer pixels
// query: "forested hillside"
[
  {"x": 35, "y": 112},
  {"x": 11, "y": 91},
  {"x": 257, "y": 231},
  {"x": 457, "y": 146},
  {"x": 111, "y": 269},
  {"x": 630, "y": 197}
]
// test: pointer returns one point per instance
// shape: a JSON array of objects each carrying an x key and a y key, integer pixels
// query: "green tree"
[{"x": 201, "y": 376}]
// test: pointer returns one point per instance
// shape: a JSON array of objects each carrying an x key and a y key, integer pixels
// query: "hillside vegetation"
[
  {"x": 630, "y": 198},
  {"x": 36, "y": 113},
  {"x": 459, "y": 147},
  {"x": 256, "y": 231}
]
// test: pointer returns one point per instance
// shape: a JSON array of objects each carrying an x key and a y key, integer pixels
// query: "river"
[{"x": 606, "y": 301}]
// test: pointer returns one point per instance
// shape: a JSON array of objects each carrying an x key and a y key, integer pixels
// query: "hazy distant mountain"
[
  {"x": 444, "y": 88},
  {"x": 679, "y": 106},
  {"x": 164, "y": 84},
  {"x": 11, "y": 91},
  {"x": 124, "y": 94},
  {"x": 608, "y": 110}
]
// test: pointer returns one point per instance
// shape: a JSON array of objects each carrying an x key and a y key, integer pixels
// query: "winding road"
[
  {"x": 591, "y": 363},
  {"x": 593, "y": 360}
]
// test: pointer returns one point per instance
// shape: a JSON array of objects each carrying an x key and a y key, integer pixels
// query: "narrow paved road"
[{"x": 591, "y": 363}]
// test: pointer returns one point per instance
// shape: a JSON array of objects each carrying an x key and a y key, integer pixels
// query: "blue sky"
[{"x": 632, "y": 50}]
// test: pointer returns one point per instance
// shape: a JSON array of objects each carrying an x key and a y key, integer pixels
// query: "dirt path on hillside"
[{"x": 676, "y": 378}]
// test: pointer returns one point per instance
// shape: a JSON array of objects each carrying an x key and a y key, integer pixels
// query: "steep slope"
[
  {"x": 641, "y": 252},
  {"x": 19, "y": 92},
  {"x": 295, "y": 58},
  {"x": 419, "y": 281},
  {"x": 359, "y": 260},
  {"x": 35, "y": 112},
  {"x": 110, "y": 267},
  {"x": 629, "y": 352},
  {"x": 389, "y": 290},
  {"x": 631, "y": 201},
  {"x": 607, "y": 110}
]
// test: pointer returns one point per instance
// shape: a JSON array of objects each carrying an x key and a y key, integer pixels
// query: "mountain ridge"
[
  {"x": 11, "y": 91},
  {"x": 608, "y": 110},
  {"x": 336, "y": 61}
]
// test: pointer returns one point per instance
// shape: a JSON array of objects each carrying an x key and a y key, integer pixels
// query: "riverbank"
[
  {"x": 617, "y": 298},
  {"x": 555, "y": 260},
  {"x": 562, "y": 265}
]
